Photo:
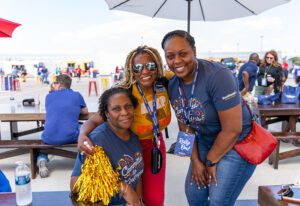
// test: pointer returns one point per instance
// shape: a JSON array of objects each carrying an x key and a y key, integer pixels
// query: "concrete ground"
[{"x": 288, "y": 172}]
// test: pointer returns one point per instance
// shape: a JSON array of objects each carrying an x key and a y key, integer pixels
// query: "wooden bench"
[
  {"x": 276, "y": 155},
  {"x": 34, "y": 147}
]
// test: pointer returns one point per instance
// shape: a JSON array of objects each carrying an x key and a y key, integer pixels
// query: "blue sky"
[{"x": 88, "y": 28}]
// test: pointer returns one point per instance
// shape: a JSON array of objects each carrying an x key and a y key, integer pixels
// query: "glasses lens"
[
  {"x": 137, "y": 68},
  {"x": 151, "y": 66}
]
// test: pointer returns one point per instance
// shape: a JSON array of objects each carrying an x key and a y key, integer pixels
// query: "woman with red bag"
[{"x": 206, "y": 101}]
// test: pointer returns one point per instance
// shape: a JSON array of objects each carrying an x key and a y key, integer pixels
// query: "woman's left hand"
[{"x": 212, "y": 175}]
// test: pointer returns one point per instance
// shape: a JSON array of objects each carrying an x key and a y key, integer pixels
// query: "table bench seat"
[
  {"x": 276, "y": 155},
  {"x": 34, "y": 147}
]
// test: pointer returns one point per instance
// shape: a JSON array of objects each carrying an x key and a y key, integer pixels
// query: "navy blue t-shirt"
[
  {"x": 251, "y": 68},
  {"x": 125, "y": 156},
  {"x": 63, "y": 108},
  {"x": 216, "y": 90}
]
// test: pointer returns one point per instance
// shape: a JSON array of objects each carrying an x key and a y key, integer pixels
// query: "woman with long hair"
[{"x": 269, "y": 77}]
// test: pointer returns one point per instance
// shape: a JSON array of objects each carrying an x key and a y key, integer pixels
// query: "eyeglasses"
[
  {"x": 138, "y": 68},
  {"x": 55, "y": 83},
  {"x": 286, "y": 190},
  {"x": 270, "y": 58}
]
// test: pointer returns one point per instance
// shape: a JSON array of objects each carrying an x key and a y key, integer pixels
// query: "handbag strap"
[{"x": 246, "y": 104}]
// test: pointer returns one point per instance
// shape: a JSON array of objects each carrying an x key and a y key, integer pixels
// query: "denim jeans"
[
  {"x": 233, "y": 172},
  {"x": 41, "y": 156}
]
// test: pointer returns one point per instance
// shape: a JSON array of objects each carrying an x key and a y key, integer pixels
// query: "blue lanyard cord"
[
  {"x": 187, "y": 106},
  {"x": 151, "y": 113}
]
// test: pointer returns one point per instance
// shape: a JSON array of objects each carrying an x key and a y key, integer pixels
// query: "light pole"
[{"x": 261, "y": 43}]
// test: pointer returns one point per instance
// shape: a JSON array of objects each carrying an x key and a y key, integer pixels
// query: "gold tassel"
[{"x": 98, "y": 181}]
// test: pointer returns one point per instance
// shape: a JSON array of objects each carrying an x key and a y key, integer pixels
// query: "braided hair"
[{"x": 129, "y": 78}]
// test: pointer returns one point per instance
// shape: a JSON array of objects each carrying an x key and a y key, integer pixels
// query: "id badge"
[
  {"x": 264, "y": 81},
  {"x": 184, "y": 144},
  {"x": 156, "y": 160}
]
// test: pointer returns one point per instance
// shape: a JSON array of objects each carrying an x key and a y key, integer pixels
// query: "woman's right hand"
[
  {"x": 199, "y": 173},
  {"x": 85, "y": 145}
]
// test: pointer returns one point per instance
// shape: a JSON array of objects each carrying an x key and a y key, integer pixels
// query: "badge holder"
[{"x": 156, "y": 157}]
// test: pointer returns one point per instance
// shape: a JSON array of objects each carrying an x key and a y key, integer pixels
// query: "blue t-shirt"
[
  {"x": 4, "y": 183},
  {"x": 125, "y": 156},
  {"x": 216, "y": 90},
  {"x": 63, "y": 109},
  {"x": 251, "y": 68}
]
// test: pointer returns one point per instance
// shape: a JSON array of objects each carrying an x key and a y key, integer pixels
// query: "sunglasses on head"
[{"x": 151, "y": 66}]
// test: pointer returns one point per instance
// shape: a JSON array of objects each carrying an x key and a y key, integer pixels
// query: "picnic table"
[
  {"x": 15, "y": 114},
  {"x": 273, "y": 113}
]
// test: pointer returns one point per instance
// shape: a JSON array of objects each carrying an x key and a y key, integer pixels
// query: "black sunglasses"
[{"x": 138, "y": 68}]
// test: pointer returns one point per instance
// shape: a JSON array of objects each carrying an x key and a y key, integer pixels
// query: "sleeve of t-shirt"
[
  {"x": 80, "y": 158},
  {"x": 250, "y": 71},
  {"x": 223, "y": 90},
  {"x": 81, "y": 101}
]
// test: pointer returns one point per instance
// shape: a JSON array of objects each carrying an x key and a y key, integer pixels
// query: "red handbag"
[{"x": 258, "y": 145}]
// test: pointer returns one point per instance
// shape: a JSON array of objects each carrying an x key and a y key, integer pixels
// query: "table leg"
[{"x": 13, "y": 130}]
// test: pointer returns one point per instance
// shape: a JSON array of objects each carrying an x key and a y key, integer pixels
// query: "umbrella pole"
[{"x": 189, "y": 15}]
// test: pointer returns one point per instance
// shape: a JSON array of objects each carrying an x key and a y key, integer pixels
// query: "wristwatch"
[{"x": 209, "y": 163}]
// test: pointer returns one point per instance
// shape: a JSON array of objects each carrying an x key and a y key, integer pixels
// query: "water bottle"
[{"x": 23, "y": 185}]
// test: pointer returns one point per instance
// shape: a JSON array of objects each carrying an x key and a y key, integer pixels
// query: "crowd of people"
[{"x": 207, "y": 101}]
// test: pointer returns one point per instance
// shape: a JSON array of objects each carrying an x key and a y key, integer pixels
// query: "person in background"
[
  {"x": 78, "y": 71},
  {"x": 116, "y": 108},
  {"x": 63, "y": 107},
  {"x": 44, "y": 75},
  {"x": 15, "y": 72},
  {"x": 24, "y": 74},
  {"x": 4, "y": 183},
  {"x": 144, "y": 78},
  {"x": 207, "y": 102},
  {"x": 269, "y": 75},
  {"x": 247, "y": 74},
  {"x": 285, "y": 67}
]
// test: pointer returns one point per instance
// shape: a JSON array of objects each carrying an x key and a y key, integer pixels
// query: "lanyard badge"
[
  {"x": 185, "y": 140},
  {"x": 156, "y": 155}
]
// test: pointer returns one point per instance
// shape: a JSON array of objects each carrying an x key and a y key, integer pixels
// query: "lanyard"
[
  {"x": 267, "y": 70},
  {"x": 187, "y": 105},
  {"x": 151, "y": 113}
]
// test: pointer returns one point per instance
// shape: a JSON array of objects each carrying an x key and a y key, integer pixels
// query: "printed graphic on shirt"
[
  {"x": 229, "y": 96},
  {"x": 197, "y": 114},
  {"x": 160, "y": 103},
  {"x": 130, "y": 168}
]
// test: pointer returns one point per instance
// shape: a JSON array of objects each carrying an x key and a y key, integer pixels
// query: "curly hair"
[
  {"x": 107, "y": 94},
  {"x": 129, "y": 78},
  {"x": 275, "y": 55}
]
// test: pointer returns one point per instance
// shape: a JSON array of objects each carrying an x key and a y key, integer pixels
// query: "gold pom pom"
[{"x": 98, "y": 181}]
